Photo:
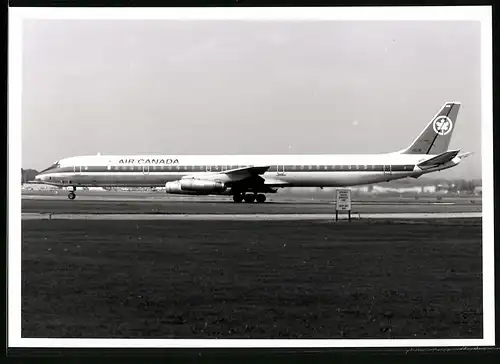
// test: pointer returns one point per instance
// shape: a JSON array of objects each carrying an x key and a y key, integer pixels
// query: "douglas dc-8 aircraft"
[{"x": 249, "y": 177}]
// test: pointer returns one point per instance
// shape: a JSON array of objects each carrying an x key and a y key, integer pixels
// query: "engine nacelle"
[
  {"x": 175, "y": 187},
  {"x": 194, "y": 186},
  {"x": 202, "y": 185}
]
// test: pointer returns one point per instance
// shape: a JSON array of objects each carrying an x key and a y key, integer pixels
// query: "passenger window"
[
  {"x": 301, "y": 167},
  {"x": 310, "y": 167}
]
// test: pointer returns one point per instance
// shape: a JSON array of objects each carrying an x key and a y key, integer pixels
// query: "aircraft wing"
[
  {"x": 244, "y": 178},
  {"x": 439, "y": 159},
  {"x": 232, "y": 175}
]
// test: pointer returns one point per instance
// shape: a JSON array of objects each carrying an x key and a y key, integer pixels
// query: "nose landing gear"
[{"x": 72, "y": 194}]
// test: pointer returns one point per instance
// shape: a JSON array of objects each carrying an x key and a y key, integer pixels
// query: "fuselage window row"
[{"x": 219, "y": 168}]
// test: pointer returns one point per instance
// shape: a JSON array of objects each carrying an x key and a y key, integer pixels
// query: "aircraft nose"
[{"x": 39, "y": 178}]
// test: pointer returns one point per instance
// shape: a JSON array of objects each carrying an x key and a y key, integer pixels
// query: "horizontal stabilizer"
[
  {"x": 439, "y": 159},
  {"x": 465, "y": 155}
]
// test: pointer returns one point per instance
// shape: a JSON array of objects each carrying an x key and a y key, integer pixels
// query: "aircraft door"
[
  {"x": 280, "y": 170},
  {"x": 145, "y": 169},
  {"x": 387, "y": 169},
  {"x": 77, "y": 169}
]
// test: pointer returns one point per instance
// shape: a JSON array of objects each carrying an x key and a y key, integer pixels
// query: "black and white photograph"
[{"x": 321, "y": 177}]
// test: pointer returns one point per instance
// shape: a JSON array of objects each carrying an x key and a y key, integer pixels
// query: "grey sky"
[{"x": 234, "y": 87}]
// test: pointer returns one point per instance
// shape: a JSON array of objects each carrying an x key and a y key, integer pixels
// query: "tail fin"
[{"x": 435, "y": 138}]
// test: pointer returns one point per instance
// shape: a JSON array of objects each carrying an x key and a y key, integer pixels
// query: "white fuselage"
[{"x": 284, "y": 171}]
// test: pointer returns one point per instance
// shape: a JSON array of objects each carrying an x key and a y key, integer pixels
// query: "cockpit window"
[{"x": 55, "y": 165}]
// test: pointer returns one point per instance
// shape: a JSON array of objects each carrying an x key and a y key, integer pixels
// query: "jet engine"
[{"x": 194, "y": 187}]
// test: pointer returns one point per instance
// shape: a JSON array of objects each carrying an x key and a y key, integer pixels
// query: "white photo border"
[{"x": 483, "y": 14}]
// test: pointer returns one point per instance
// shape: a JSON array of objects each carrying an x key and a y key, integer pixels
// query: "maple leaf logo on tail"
[{"x": 442, "y": 125}]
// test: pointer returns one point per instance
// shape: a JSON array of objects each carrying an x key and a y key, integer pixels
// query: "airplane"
[{"x": 250, "y": 177}]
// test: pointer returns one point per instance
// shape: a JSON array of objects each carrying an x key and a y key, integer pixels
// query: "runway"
[{"x": 154, "y": 206}]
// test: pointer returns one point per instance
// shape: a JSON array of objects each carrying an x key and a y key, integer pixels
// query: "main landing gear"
[
  {"x": 72, "y": 194},
  {"x": 249, "y": 197}
]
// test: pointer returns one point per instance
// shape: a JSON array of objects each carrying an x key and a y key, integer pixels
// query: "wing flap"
[{"x": 271, "y": 182}]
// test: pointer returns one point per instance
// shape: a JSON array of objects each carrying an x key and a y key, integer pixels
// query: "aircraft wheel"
[
  {"x": 249, "y": 198},
  {"x": 71, "y": 195},
  {"x": 261, "y": 198},
  {"x": 238, "y": 198}
]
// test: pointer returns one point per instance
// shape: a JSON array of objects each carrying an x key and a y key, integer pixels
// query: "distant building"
[{"x": 428, "y": 189}]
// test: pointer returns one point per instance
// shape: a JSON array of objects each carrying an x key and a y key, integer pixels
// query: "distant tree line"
[
  {"x": 463, "y": 185},
  {"x": 28, "y": 175},
  {"x": 457, "y": 184}
]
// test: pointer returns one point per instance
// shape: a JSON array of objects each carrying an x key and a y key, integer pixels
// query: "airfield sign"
[
  {"x": 343, "y": 200},
  {"x": 343, "y": 203}
]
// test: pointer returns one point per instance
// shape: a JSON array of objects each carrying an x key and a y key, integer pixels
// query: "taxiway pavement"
[{"x": 246, "y": 217}]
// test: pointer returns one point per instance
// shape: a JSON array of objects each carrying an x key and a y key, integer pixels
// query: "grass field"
[{"x": 194, "y": 279}]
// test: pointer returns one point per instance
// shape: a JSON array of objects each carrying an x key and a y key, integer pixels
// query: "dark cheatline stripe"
[{"x": 214, "y": 168}]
